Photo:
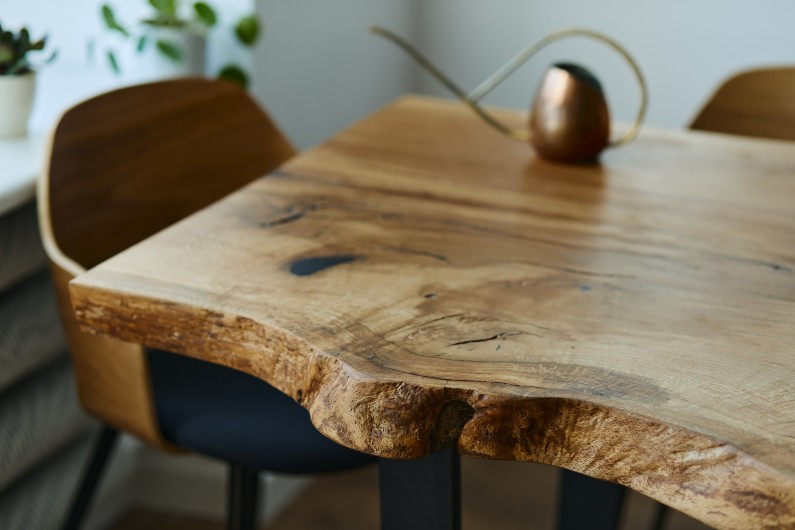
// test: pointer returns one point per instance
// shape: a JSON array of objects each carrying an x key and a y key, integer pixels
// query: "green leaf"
[
  {"x": 247, "y": 30},
  {"x": 167, "y": 8},
  {"x": 114, "y": 63},
  {"x": 18, "y": 67},
  {"x": 206, "y": 14},
  {"x": 163, "y": 23},
  {"x": 235, "y": 74},
  {"x": 6, "y": 53},
  {"x": 24, "y": 39},
  {"x": 110, "y": 21},
  {"x": 169, "y": 50},
  {"x": 141, "y": 44},
  {"x": 51, "y": 58},
  {"x": 38, "y": 45}
]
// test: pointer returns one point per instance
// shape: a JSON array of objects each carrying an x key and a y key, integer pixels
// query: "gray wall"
[
  {"x": 685, "y": 47},
  {"x": 318, "y": 70}
]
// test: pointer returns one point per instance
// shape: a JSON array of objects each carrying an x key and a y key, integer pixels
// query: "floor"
[{"x": 496, "y": 495}]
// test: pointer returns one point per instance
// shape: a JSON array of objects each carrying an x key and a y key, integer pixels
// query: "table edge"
[{"x": 695, "y": 473}]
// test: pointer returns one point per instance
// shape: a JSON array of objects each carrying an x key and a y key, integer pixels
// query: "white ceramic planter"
[
  {"x": 151, "y": 64},
  {"x": 16, "y": 103}
]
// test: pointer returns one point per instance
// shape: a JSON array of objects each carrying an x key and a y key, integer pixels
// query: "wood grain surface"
[{"x": 419, "y": 281}]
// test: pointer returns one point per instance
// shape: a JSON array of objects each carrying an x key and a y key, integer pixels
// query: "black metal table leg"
[
  {"x": 660, "y": 517},
  {"x": 422, "y": 494},
  {"x": 589, "y": 504},
  {"x": 243, "y": 496}
]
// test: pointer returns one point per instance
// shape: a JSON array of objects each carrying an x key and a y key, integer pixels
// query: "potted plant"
[
  {"x": 17, "y": 79},
  {"x": 173, "y": 38}
]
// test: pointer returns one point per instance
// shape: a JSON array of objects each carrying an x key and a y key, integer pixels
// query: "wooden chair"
[
  {"x": 121, "y": 167},
  {"x": 758, "y": 103}
]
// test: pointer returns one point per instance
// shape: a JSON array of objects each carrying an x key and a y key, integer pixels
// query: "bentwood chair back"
[
  {"x": 758, "y": 103},
  {"x": 123, "y": 166}
]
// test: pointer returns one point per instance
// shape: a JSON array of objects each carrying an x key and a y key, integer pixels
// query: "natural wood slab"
[{"x": 419, "y": 280}]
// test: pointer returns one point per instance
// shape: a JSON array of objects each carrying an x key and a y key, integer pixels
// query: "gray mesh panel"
[
  {"x": 38, "y": 416},
  {"x": 41, "y": 499},
  {"x": 21, "y": 252},
  {"x": 30, "y": 328}
]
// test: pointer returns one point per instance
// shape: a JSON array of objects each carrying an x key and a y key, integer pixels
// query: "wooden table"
[{"x": 420, "y": 281}]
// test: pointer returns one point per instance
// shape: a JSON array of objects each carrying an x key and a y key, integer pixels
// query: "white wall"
[
  {"x": 318, "y": 69},
  {"x": 69, "y": 24},
  {"x": 685, "y": 47}
]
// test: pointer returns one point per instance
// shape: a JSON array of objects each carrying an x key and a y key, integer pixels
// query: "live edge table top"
[{"x": 420, "y": 280}]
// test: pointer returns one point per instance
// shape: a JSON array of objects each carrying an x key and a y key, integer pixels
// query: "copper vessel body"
[{"x": 569, "y": 121}]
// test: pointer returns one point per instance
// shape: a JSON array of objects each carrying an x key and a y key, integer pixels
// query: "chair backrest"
[
  {"x": 123, "y": 166},
  {"x": 757, "y": 103}
]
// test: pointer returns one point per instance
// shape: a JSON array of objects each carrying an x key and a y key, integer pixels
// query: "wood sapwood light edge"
[{"x": 692, "y": 472}]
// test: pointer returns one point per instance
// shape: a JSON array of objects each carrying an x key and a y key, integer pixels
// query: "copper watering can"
[{"x": 569, "y": 120}]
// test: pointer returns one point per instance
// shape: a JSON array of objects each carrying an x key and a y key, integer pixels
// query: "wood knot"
[
  {"x": 451, "y": 420},
  {"x": 310, "y": 266}
]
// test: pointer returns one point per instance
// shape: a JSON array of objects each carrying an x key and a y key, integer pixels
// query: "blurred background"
[{"x": 317, "y": 69}]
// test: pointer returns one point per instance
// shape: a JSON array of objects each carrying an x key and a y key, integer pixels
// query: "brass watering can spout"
[{"x": 569, "y": 120}]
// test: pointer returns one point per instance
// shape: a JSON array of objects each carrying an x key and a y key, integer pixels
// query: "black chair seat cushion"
[{"x": 226, "y": 414}]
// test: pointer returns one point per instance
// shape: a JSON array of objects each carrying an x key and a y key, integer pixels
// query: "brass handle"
[
  {"x": 414, "y": 53},
  {"x": 511, "y": 66}
]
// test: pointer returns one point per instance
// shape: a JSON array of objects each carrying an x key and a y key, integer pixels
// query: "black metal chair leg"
[
  {"x": 243, "y": 496},
  {"x": 91, "y": 478},
  {"x": 589, "y": 504},
  {"x": 422, "y": 494}
]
